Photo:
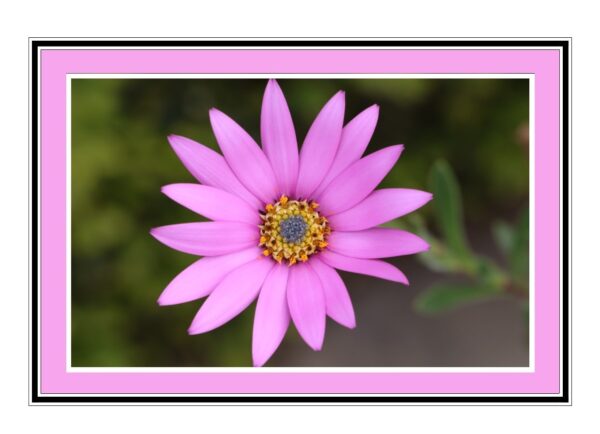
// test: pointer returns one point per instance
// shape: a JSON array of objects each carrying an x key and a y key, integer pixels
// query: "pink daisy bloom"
[{"x": 283, "y": 221}]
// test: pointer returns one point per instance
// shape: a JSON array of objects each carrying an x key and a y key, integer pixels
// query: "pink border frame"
[{"x": 57, "y": 63}]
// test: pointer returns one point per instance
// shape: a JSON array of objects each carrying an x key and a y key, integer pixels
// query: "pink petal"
[
  {"x": 380, "y": 207},
  {"x": 234, "y": 294},
  {"x": 306, "y": 302},
  {"x": 355, "y": 138},
  {"x": 213, "y": 203},
  {"x": 337, "y": 300},
  {"x": 320, "y": 146},
  {"x": 210, "y": 168},
  {"x": 272, "y": 317},
  {"x": 279, "y": 138},
  {"x": 208, "y": 238},
  {"x": 358, "y": 180},
  {"x": 376, "y": 243},
  {"x": 369, "y": 267},
  {"x": 247, "y": 160},
  {"x": 199, "y": 279}
]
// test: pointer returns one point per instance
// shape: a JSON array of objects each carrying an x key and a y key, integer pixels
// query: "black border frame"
[{"x": 35, "y": 44}]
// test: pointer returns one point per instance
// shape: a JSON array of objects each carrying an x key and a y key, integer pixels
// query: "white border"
[{"x": 528, "y": 369}]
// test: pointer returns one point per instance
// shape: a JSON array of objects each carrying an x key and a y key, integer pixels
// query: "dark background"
[{"x": 121, "y": 158}]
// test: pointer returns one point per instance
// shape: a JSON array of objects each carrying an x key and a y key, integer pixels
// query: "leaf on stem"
[
  {"x": 448, "y": 207},
  {"x": 443, "y": 297}
]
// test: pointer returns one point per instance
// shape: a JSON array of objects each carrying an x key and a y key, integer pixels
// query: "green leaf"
[
  {"x": 519, "y": 256},
  {"x": 504, "y": 235},
  {"x": 443, "y": 297},
  {"x": 439, "y": 259},
  {"x": 489, "y": 274},
  {"x": 448, "y": 206}
]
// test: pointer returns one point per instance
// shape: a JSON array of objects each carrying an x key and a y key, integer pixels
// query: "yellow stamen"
[{"x": 301, "y": 246}]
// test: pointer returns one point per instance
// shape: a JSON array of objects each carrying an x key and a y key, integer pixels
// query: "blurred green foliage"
[
  {"x": 452, "y": 255},
  {"x": 121, "y": 158}
]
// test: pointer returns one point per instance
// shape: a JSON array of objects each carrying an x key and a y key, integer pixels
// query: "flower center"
[{"x": 293, "y": 230}]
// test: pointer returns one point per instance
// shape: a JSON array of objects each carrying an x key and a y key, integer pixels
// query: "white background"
[{"x": 308, "y": 18}]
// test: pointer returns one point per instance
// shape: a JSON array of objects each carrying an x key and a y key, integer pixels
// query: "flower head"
[{"x": 283, "y": 221}]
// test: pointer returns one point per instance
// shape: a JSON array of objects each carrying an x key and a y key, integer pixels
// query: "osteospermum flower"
[{"x": 283, "y": 221}]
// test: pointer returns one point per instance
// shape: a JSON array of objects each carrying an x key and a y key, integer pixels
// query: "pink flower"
[{"x": 283, "y": 221}]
